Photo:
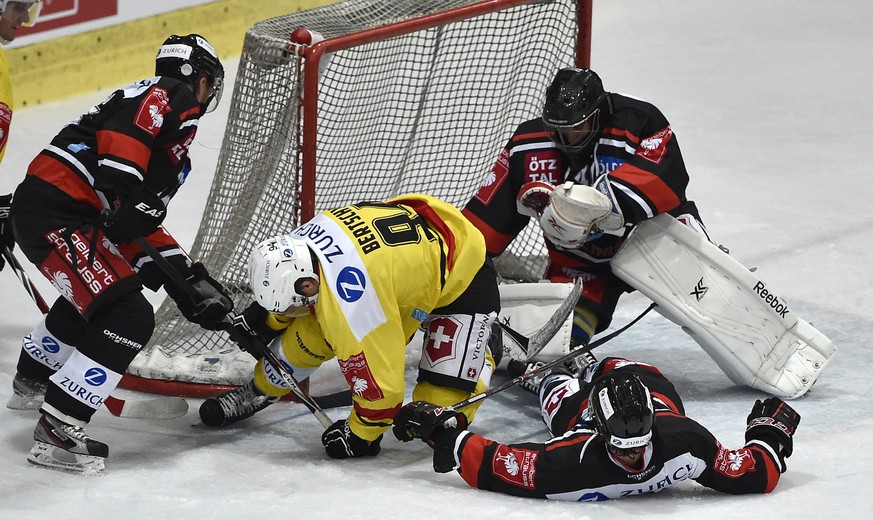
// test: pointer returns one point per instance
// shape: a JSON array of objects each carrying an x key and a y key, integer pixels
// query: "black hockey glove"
[
  {"x": 341, "y": 443},
  {"x": 6, "y": 237},
  {"x": 213, "y": 301},
  {"x": 252, "y": 330},
  {"x": 420, "y": 419},
  {"x": 138, "y": 215},
  {"x": 773, "y": 422}
]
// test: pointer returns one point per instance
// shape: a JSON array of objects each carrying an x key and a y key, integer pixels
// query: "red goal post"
[{"x": 399, "y": 96}]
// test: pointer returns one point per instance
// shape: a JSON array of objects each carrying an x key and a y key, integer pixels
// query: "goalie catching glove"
[
  {"x": 212, "y": 302},
  {"x": 773, "y": 422},
  {"x": 576, "y": 211},
  {"x": 533, "y": 197}
]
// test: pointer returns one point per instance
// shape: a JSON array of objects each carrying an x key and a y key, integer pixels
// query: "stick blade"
[
  {"x": 158, "y": 408},
  {"x": 539, "y": 340}
]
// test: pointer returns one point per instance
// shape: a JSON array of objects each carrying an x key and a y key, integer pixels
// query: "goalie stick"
[
  {"x": 159, "y": 408},
  {"x": 535, "y": 344},
  {"x": 237, "y": 336},
  {"x": 570, "y": 356}
]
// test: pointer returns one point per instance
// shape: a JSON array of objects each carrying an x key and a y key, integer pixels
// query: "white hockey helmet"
[{"x": 277, "y": 267}]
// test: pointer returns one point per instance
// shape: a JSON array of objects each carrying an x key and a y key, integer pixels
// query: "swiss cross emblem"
[{"x": 440, "y": 345}]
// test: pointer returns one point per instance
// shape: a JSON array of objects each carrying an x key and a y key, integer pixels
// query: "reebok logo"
[{"x": 771, "y": 299}]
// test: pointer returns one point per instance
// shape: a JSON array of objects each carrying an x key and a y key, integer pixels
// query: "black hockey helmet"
[
  {"x": 622, "y": 409},
  {"x": 573, "y": 106},
  {"x": 188, "y": 58}
]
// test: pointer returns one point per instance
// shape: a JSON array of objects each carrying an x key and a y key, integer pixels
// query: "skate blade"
[
  {"x": 54, "y": 457},
  {"x": 23, "y": 402}
]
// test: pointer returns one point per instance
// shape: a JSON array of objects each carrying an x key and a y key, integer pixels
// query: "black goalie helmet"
[
  {"x": 573, "y": 108},
  {"x": 188, "y": 58},
  {"x": 622, "y": 409}
]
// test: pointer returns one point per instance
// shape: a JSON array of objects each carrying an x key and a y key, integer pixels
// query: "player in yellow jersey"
[
  {"x": 12, "y": 16},
  {"x": 356, "y": 283}
]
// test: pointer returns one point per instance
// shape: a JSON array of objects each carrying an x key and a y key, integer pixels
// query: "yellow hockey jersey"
[{"x": 384, "y": 267}]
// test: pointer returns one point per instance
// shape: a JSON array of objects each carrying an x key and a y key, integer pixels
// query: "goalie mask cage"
[{"x": 400, "y": 96}]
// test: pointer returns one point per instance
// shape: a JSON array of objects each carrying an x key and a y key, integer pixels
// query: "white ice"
[{"x": 771, "y": 102}]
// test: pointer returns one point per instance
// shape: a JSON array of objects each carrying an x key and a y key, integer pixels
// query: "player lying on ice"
[
  {"x": 356, "y": 283},
  {"x": 619, "y": 429}
]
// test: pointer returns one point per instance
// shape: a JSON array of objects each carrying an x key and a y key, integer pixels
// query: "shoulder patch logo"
[
  {"x": 654, "y": 147},
  {"x": 515, "y": 466},
  {"x": 152, "y": 110},
  {"x": 494, "y": 179}
]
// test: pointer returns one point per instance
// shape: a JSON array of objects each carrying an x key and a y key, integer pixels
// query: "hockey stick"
[
  {"x": 573, "y": 354},
  {"x": 24, "y": 279},
  {"x": 535, "y": 344},
  {"x": 160, "y": 408},
  {"x": 237, "y": 336}
]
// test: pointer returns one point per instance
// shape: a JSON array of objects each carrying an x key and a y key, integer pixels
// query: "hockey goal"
[{"x": 400, "y": 96}]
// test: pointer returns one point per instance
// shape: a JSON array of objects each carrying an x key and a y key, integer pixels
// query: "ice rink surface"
[{"x": 771, "y": 104}]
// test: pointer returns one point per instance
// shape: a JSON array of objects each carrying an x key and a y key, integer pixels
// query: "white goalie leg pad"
[
  {"x": 744, "y": 327},
  {"x": 526, "y": 307}
]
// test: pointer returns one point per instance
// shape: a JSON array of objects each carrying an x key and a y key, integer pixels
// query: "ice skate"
[
  {"x": 573, "y": 367},
  {"x": 66, "y": 447},
  {"x": 27, "y": 393},
  {"x": 234, "y": 406}
]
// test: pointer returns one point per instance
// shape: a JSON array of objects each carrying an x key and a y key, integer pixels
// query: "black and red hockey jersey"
[
  {"x": 577, "y": 465},
  {"x": 138, "y": 138},
  {"x": 636, "y": 147}
]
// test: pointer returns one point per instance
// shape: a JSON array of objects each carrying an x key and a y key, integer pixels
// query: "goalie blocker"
[{"x": 749, "y": 331}]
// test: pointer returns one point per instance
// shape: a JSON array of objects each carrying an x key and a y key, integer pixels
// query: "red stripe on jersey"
[
  {"x": 581, "y": 439},
  {"x": 195, "y": 111},
  {"x": 437, "y": 224},
  {"x": 622, "y": 133},
  {"x": 669, "y": 402},
  {"x": 160, "y": 240},
  {"x": 65, "y": 179},
  {"x": 652, "y": 186},
  {"x": 125, "y": 146},
  {"x": 532, "y": 135},
  {"x": 375, "y": 416},
  {"x": 472, "y": 458},
  {"x": 495, "y": 242},
  {"x": 772, "y": 470}
]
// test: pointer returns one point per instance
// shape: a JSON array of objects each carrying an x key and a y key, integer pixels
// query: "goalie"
[
  {"x": 356, "y": 283},
  {"x": 595, "y": 164}
]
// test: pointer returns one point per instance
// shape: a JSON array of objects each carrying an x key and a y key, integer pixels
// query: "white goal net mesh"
[{"x": 424, "y": 111}]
